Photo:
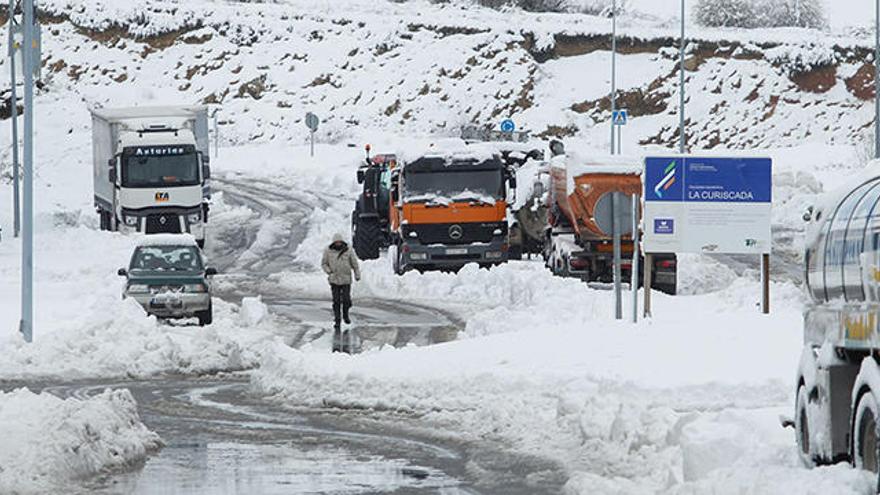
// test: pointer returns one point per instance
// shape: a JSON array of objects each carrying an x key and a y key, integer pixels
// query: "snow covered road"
[{"x": 221, "y": 438}]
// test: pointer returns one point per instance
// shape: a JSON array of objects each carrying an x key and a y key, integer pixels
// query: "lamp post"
[
  {"x": 613, "y": 70},
  {"x": 681, "y": 140}
]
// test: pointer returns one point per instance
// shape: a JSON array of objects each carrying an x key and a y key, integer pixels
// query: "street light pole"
[
  {"x": 27, "y": 249},
  {"x": 613, "y": 69},
  {"x": 16, "y": 196},
  {"x": 681, "y": 140}
]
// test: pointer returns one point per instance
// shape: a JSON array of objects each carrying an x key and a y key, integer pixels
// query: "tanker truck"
[
  {"x": 151, "y": 169},
  {"x": 576, "y": 245},
  {"x": 837, "y": 405}
]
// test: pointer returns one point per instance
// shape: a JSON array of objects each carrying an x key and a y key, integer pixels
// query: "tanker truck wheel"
[
  {"x": 367, "y": 237},
  {"x": 802, "y": 426},
  {"x": 865, "y": 445}
]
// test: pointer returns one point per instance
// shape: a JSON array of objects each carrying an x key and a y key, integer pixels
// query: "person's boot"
[{"x": 346, "y": 319}]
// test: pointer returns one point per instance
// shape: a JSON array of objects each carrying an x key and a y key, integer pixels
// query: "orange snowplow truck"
[
  {"x": 578, "y": 243},
  {"x": 448, "y": 210}
]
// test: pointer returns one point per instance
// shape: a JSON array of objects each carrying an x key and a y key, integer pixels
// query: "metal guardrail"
[{"x": 474, "y": 133}]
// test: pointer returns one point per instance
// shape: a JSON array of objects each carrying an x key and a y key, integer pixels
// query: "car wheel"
[{"x": 206, "y": 317}]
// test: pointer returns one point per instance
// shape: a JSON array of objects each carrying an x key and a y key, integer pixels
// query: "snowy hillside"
[
  {"x": 362, "y": 65},
  {"x": 681, "y": 403}
]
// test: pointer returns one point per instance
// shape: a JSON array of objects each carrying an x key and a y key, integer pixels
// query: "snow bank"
[
  {"x": 545, "y": 367},
  {"x": 83, "y": 327},
  {"x": 48, "y": 441}
]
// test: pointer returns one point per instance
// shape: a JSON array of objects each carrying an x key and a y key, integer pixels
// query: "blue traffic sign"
[
  {"x": 507, "y": 125},
  {"x": 708, "y": 180},
  {"x": 620, "y": 117}
]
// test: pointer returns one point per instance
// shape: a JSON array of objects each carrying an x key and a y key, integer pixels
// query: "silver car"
[{"x": 168, "y": 277}]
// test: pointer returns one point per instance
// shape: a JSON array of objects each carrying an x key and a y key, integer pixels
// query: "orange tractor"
[
  {"x": 578, "y": 242},
  {"x": 449, "y": 209}
]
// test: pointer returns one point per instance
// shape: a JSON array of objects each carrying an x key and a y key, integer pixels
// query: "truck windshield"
[
  {"x": 166, "y": 259},
  {"x": 168, "y": 170},
  {"x": 455, "y": 185}
]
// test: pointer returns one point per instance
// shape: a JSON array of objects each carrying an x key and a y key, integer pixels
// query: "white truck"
[
  {"x": 152, "y": 169},
  {"x": 837, "y": 407}
]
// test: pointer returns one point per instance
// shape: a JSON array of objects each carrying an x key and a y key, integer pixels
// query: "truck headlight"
[
  {"x": 194, "y": 217},
  {"x": 195, "y": 288},
  {"x": 131, "y": 221},
  {"x": 418, "y": 256},
  {"x": 138, "y": 289}
]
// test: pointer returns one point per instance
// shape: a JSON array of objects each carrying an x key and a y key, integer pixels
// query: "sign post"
[
  {"x": 709, "y": 205},
  {"x": 615, "y": 232},
  {"x": 612, "y": 218},
  {"x": 634, "y": 276},
  {"x": 312, "y": 122}
]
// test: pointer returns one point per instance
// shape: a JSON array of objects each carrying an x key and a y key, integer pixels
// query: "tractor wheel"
[{"x": 367, "y": 237}]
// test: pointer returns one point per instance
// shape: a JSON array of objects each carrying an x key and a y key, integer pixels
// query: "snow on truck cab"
[
  {"x": 167, "y": 276},
  {"x": 151, "y": 169},
  {"x": 837, "y": 406},
  {"x": 450, "y": 209}
]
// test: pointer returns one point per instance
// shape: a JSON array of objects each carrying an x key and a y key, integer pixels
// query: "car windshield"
[
  {"x": 166, "y": 259},
  {"x": 160, "y": 170},
  {"x": 481, "y": 185}
]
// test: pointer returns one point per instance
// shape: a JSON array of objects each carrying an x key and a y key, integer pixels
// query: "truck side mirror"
[
  {"x": 210, "y": 272},
  {"x": 206, "y": 171},
  {"x": 112, "y": 172},
  {"x": 122, "y": 272},
  {"x": 512, "y": 181},
  {"x": 361, "y": 176}
]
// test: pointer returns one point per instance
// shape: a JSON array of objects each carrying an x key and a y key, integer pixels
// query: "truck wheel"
[
  {"x": 367, "y": 238},
  {"x": 802, "y": 426},
  {"x": 865, "y": 445},
  {"x": 206, "y": 317}
]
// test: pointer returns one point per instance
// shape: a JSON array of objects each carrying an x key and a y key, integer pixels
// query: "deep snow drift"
[{"x": 49, "y": 442}]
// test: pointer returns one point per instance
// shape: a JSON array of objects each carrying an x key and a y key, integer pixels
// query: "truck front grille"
[
  {"x": 163, "y": 224},
  {"x": 449, "y": 234}
]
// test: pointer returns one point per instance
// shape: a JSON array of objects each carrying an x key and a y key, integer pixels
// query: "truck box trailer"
[{"x": 151, "y": 168}]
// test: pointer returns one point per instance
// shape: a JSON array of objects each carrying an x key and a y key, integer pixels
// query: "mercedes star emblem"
[
  {"x": 455, "y": 232},
  {"x": 162, "y": 220}
]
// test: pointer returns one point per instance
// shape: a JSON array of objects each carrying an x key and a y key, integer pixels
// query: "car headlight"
[
  {"x": 195, "y": 288},
  {"x": 194, "y": 217},
  {"x": 138, "y": 289},
  {"x": 131, "y": 221}
]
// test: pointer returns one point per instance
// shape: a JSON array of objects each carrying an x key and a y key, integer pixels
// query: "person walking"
[{"x": 338, "y": 263}]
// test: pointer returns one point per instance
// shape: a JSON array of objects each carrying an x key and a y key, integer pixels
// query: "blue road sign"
[
  {"x": 708, "y": 180},
  {"x": 507, "y": 125},
  {"x": 620, "y": 117}
]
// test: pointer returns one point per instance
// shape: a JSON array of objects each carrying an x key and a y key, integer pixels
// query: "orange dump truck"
[
  {"x": 449, "y": 209},
  {"x": 579, "y": 241}
]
